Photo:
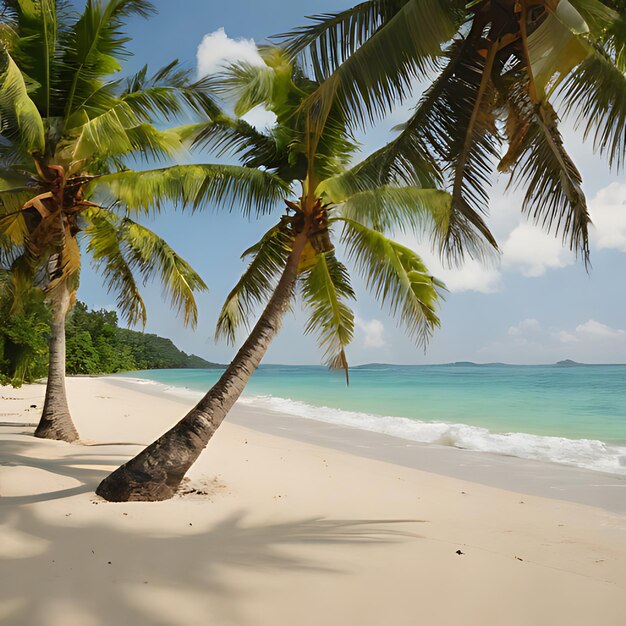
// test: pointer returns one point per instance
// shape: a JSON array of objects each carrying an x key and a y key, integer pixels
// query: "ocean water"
[{"x": 572, "y": 415}]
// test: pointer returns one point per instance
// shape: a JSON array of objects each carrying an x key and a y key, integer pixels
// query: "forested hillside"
[{"x": 95, "y": 345}]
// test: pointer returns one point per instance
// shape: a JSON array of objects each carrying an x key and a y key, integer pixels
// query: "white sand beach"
[{"x": 281, "y": 531}]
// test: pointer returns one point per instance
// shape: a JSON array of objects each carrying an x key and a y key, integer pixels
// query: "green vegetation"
[
  {"x": 76, "y": 138},
  {"x": 506, "y": 73},
  {"x": 24, "y": 335},
  {"x": 94, "y": 341}
]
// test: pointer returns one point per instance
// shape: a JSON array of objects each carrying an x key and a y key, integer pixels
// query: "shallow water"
[{"x": 574, "y": 415}]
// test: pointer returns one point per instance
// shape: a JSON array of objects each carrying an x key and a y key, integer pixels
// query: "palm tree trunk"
[
  {"x": 156, "y": 472},
  {"x": 56, "y": 422}
]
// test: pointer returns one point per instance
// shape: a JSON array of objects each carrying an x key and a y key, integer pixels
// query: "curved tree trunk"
[
  {"x": 156, "y": 472},
  {"x": 56, "y": 422}
]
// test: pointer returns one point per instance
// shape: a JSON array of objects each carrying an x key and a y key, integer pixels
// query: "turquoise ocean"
[{"x": 571, "y": 415}]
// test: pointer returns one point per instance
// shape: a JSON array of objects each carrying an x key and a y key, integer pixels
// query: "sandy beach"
[{"x": 292, "y": 523}]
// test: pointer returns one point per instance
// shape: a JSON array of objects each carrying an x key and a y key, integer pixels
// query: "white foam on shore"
[{"x": 585, "y": 453}]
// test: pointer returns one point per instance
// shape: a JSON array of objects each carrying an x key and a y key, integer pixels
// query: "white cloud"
[
  {"x": 533, "y": 251},
  {"x": 597, "y": 329},
  {"x": 217, "y": 49},
  {"x": 526, "y": 326},
  {"x": 564, "y": 337},
  {"x": 373, "y": 331},
  {"x": 608, "y": 213},
  {"x": 471, "y": 276}
]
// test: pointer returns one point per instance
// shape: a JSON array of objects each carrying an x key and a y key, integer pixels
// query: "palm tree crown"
[
  {"x": 502, "y": 65},
  {"x": 330, "y": 199}
]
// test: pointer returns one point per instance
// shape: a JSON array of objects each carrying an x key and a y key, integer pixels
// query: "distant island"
[{"x": 564, "y": 363}]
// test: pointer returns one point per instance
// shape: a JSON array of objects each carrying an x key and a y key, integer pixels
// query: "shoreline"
[
  {"x": 269, "y": 529},
  {"x": 538, "y": 478}
]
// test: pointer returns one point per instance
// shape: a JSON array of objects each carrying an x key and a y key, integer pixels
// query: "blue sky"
[{"x": 536, "y": 305}]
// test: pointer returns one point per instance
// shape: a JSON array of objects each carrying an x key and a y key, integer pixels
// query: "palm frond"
[
  {"x": 596, "y": 92},
  {"x": 93, "y": 48},
  {"x": 225, "y": 135},
  {"x": 452, "y": 132},
  {"x": 537, "y": 158},
  {"x": 599, "y": 17},
  {"x": 169, "y": 93},
  {"x": 13, "y": 199},
  {"x": 122, "y": 248},
  {"x": 397, "y": 209},
  {"x": 254, "y": 288},
  {"x": 248, "y": 85},
  {"x": 397, "y": 277},
  {"x": 21, "y": 120},
  {"x": 325, "y": 288},
  {"x": 63, "y": 265},
  {"x": 363, "y": 176},
  {"x": 153, "y": 258},
  {"x": 35, "y": 49},
  {"x": 13, "y": 230},
  {"x": 331, "y": 38},
  {"x": 556, "y": 47},
  {"x": 118, "y": 132},
  {"x": 106, "y": 249},
  {"x": 254, "y": 190},
  {"x": 371, "y": 81}
]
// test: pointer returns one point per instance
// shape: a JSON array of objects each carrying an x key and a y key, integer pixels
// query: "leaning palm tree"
[
  {"x": 328, "y": 200},
  {"x": 500, "y": 68},
  {"x": 70, "y": 130}
]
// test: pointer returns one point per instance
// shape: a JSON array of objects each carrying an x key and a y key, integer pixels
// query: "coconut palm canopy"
[
  {"x": 332, "y": 201},
  {"x": 71, "y": 133},
  {"x": 503, "y": 68}
]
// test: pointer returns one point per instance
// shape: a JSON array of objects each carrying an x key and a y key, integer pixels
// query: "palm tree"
[
  {"x": 502, "y": 66},
  {"x": 297, "y": 254},
  {"x": 70, "y": 131}
]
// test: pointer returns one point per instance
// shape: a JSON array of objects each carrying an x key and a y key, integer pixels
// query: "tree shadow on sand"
[{"x": 78, "y": 566}]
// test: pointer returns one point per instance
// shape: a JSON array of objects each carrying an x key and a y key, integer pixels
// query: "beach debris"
[
  {"x": 464, "y": 493},
  {"x": 460, "y": 552},
  {"x": 519, "y": 558},
  {"x": 33, "y": 406}
]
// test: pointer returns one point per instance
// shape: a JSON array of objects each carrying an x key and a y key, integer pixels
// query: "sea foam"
[{"x": 585, "y": 453}]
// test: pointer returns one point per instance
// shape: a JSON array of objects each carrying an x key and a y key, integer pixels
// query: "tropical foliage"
[
  {"x": 336, "y": 201},
  {"x": 23, "y": 335},
  {"x": 501, "y": 70},
  {"x": 96, "y": 344},
  {"x": 71, "y": 130},
  {"x": 328, "y": 201}
]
